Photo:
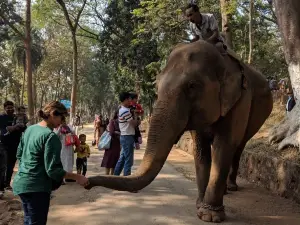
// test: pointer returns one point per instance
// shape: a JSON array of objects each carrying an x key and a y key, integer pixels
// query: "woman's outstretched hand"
[{"x": 83, "y": 181}]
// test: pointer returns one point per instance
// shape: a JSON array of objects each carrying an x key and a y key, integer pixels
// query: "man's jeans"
[
  {"x": 3, "y": 166},
  {"x": 36, "y": 207},
  {"x": 11, "y": 150},
  {"x": 126, "y": 158}
]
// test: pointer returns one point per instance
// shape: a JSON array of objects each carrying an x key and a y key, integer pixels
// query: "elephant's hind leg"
[
  {"x": 231, "y": 181},
  {"x": 202, "y": 157},
  {"x": 257, "y": 117}
]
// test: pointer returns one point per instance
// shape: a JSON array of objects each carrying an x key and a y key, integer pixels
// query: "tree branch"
[
  {"x": 78, "y": 15},
  {"x": 87, "y": 36},
  {"x": 263, "y": 16},
  {"x": 89, "y": 32},
  {"x": 12, "y": 27},
  {"x": 65, "y": 11},
  {"x": 55, "y": 21}
]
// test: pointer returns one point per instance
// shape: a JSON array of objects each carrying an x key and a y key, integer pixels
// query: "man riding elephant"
[{"x": 204, "y": 26}]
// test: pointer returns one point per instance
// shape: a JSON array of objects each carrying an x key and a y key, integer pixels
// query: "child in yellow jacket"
[{"x": 83, "y": 152}]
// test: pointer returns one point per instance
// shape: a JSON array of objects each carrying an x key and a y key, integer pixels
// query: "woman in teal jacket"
[{"x": 40, "y": 167}]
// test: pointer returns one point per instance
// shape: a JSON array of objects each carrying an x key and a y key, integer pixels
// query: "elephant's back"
[{"x": 257, "y": 81}]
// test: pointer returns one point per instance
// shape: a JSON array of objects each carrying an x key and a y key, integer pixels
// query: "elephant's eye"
[{"x": 191, "y": 85}]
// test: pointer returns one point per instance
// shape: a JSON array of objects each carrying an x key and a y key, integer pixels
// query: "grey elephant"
[{"x": 222, "y": 102}]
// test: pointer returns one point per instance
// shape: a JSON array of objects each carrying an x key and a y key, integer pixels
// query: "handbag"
[{"x": 104, "y": 141}]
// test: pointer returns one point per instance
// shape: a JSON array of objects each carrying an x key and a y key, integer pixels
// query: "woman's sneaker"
[{"x": 8, "y": 188}]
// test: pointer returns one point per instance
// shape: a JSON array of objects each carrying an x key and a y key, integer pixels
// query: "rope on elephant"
[{"x": 213, "y": 208}]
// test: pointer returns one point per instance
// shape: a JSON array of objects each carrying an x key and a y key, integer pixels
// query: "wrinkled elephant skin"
[{"x": 221, "y": 104}]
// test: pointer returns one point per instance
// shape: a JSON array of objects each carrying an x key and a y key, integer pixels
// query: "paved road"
[{"x": 170, "y": 199}]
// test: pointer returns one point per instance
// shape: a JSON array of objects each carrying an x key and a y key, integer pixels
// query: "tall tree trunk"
[
  {"x": 23, "y": 83},
  {"x": 137, "y": 85},
  {"x": 34, "y": 93},
  {"x": 226, "y": 19},
  {"x": 251, "y": 9},
  {"x": 57, "y": 88},
  {"x": 73, "y": 28},
  {"x": 6, "y": 93},
  {"x": 288, "y": 16},
  {"x": 27, "y": 43},
  {"x": 42, "y": 99},
  {"x": 75, "y": 76}
]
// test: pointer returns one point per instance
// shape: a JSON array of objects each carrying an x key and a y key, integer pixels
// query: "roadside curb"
[{"x": 277, "y": 175}]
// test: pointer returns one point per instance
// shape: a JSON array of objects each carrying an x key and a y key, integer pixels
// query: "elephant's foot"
[
  {"x": 210, "y": 213},
  {"x": 199, "y": 202},
  {"x": 232, "y": 186}
]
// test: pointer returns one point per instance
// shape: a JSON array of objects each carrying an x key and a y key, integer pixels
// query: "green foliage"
[
  {"x": 129, "y": 52},
  {"x": 19, "y": 54},
  {"x": 8, "y": 17},
  {"x": 268, "y": 54},
  {"x": 122, "y": 45}
]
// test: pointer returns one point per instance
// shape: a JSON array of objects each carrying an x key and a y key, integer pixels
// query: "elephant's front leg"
[
  {"x": 202, "y": 158},
  {"x": 212, "y": 209}
]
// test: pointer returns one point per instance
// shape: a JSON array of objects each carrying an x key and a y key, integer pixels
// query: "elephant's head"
[{"x": 194, "y": 91}]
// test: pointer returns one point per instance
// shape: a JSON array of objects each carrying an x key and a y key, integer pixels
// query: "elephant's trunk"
[{"x": 166, "y": 125}]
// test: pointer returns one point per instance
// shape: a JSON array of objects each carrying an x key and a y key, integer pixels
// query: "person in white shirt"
[
  {"x": 204, "y": 26},
  {"x": 127, "y": 124}
]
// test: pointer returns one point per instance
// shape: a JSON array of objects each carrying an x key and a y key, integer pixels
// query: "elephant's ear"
[{"x": 231, "y": 90}]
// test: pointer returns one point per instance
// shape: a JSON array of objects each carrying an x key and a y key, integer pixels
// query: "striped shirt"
[{"x": 124, "y": 117}]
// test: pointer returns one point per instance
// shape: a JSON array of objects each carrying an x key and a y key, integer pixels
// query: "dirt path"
[{"x": 170, "y": 199}]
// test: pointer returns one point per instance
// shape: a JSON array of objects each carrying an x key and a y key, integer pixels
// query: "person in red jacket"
[{"x": 137, "y": 111}]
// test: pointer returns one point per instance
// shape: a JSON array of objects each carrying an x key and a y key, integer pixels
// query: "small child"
[
  {"x": 83, "y": 152},
  {"x": 20, "y": 119},
  {"x": 136, "y": 110}
]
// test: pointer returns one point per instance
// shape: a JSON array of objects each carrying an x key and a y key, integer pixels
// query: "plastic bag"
[
  {"x": 72, "y": 139},
  {"x": 104, "y": 141},
  {"x": 77, "y": 141}
]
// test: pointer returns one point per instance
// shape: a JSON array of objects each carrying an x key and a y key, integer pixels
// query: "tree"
[
  {"x": 9, "y": 19},
  {"x": 19, "y": 56},
  {"x": 27, "y": 44},
  {"x": 227, "y": 9},
  {"x": 288, "y": 15},
  {"x": 73, "y": 26},
  {"x": 122, "y": 45},
  {"x": 251, "y": 9},
  {"x": 26, "y": 37}
]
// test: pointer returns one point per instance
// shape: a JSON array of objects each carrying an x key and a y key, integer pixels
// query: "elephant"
[{"x": 222, "y": 102}]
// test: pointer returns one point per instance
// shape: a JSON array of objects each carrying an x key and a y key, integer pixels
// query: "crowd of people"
[
  {"x": 282, "y": 91},
  {"x": 45, "y": 151}
]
